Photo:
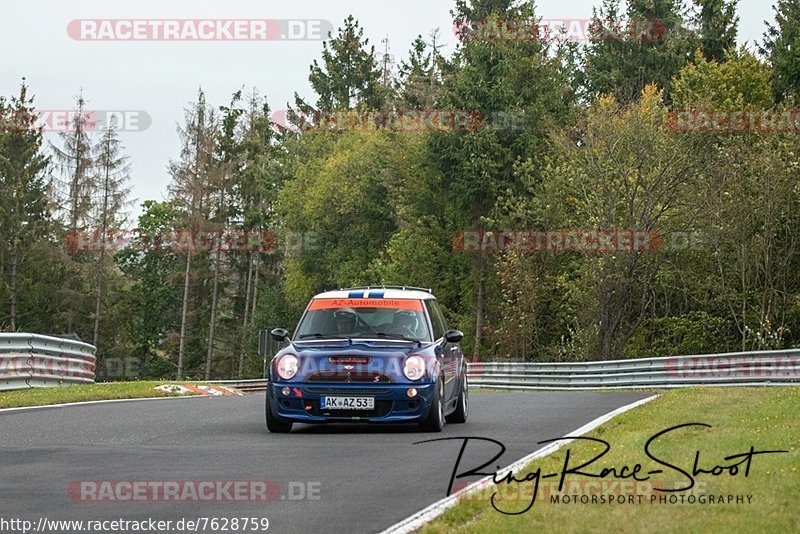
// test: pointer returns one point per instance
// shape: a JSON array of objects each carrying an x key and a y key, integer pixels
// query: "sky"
[{"x": 155, "y": 80}]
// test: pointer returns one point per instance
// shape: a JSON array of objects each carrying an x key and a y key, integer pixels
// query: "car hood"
[
  {"x": 362, "y": 361},
  {"x": 357, "y": 348}
]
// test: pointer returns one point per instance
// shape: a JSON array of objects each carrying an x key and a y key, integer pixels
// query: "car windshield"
[{"x": 364, "y": 319}]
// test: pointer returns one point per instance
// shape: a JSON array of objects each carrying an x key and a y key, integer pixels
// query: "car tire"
[
  {"x": 274, "y": 424},
  {"x": 435, "y": 420},
  {"x": 462, "y": 405}
]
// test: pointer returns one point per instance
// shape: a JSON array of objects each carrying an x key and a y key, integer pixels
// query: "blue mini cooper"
[{"x": 373, "y": 355}]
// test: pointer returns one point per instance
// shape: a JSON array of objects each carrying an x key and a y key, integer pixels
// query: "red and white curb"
[
  {"x": 433, "y": 511},
  {"x": 200, "y": 389}
]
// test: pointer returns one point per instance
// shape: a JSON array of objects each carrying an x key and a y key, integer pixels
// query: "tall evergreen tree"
[
  {"x": 260, "y": 175},
  {"x": 349, "y": 75},
  {"x": 191, "y": 175},
  {"x": 419, "y": 78},
  {"x": 226, "y": 167},
  {"x": 646, "y": 44},
  {"x": 111, "y": 177},
  {"x": 517, "y": 86},
  {"x": 716, "y": 22},
  {"x": 75, "y": 166},
  {"x": 24, "y": 209},
  {"x": 74, "y": 191},
  {"x": 782, "y": 47}
]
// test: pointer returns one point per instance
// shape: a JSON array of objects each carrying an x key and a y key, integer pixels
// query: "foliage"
[
  {"x": 781, "y": 46},
  {"x": 647, "y": 44},
  {"x": 567, "y": 137}
]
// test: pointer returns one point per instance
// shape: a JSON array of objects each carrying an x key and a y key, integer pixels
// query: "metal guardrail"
[
  {"x": 32, "y": 360},
  {"x": 771, "y": 368}
]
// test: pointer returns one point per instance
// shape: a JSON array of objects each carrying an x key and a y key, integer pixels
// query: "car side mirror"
[
  {"x": 454, "y": 336},
  {"x": 280, "y": 334}
]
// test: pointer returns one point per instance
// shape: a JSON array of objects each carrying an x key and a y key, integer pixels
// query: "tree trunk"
[
  {"x": 197, "y": 198},
  {"x": 13, "y": 286},
  {"x": 74, "y": 215},
  {"x": 246, "y": 320},
  {"x": 184, "y": 314},
  {"x": 215, "y": 289},
  {"x": 255, "y": 286},
  {"x": 213, "y": 322},
  {"x": 98, "y": 298},
  {"x": 605, "y": 312},
  {"x": 479, "y": 313},
  {"x": 104, "y": 228}
]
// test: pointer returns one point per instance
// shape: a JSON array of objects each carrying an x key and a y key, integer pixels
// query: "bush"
[{"x": 694, "y": 333}]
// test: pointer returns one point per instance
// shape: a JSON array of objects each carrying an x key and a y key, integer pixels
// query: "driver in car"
[{"x": 345, "y": 322}]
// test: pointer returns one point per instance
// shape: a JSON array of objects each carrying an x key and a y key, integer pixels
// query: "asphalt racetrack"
[{"x": 343, "y": 478}]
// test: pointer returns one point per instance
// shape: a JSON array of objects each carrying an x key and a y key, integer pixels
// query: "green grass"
[
  {"x": 766, "y": 418},
  {"x": 80, "y": 393}
]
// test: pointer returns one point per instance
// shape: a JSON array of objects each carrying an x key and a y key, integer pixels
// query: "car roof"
[{"x": 378, "y": 293}]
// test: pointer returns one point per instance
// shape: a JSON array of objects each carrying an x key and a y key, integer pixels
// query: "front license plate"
[{"x": 348, "y": 403}]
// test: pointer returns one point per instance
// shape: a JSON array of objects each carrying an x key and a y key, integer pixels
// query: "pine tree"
[
  {"x": 226, "y": 168},
  {"x": 517, "y": 86},
  {"x": 75, "y": 166},
  {"x": 191, "y": 177},
  {"x": 480, "y": 10},
  {"x": 74, "y": 191},
  {"x": 717, "y": 23},
  {"x": 419, "y": 77},
  {"x": 111, "y": 178},
  {"x": 258, "y": 180},
  {"x": 782, "y": 47},
  {"x": 649, "y": 44},
  {"x": 24, "y": 207},
  {"x": 349, "y": 76}
]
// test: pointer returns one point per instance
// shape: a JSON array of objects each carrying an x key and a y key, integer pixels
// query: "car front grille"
[{"x": 350, "y": 377}]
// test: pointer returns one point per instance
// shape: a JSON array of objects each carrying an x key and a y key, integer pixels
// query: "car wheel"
[
  {"x": 435, "y": 420},
  {"x": 274, "y": 424},
  {"x": 462, "y": 406}
]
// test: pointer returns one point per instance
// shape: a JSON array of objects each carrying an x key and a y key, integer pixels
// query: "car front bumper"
[{"x": 392, "y": 403}]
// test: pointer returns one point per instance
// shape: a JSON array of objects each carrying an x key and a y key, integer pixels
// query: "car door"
[{"x": 451, "y": 353}]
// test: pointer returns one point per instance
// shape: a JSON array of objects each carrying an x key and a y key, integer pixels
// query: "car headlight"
[
  {"x": 287, "y": 366},
  {"x": 414, "y": 367}
]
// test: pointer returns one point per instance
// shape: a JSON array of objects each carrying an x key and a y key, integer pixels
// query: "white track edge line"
[
  {"x": 433, "y": 511},
  {"x": 82, "y": 403}
]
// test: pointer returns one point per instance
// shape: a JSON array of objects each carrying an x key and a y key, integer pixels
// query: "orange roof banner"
[{"x": 396, "y": 304}]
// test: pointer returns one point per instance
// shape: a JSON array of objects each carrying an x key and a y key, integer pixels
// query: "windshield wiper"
[
  {"x": 324, "y": 336},
  {"x": 398, "y": 336}
]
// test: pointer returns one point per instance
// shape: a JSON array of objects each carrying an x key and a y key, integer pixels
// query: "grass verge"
[
  {"x": 80, "y": 393},
  {"x": 765, "y": 418}
]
